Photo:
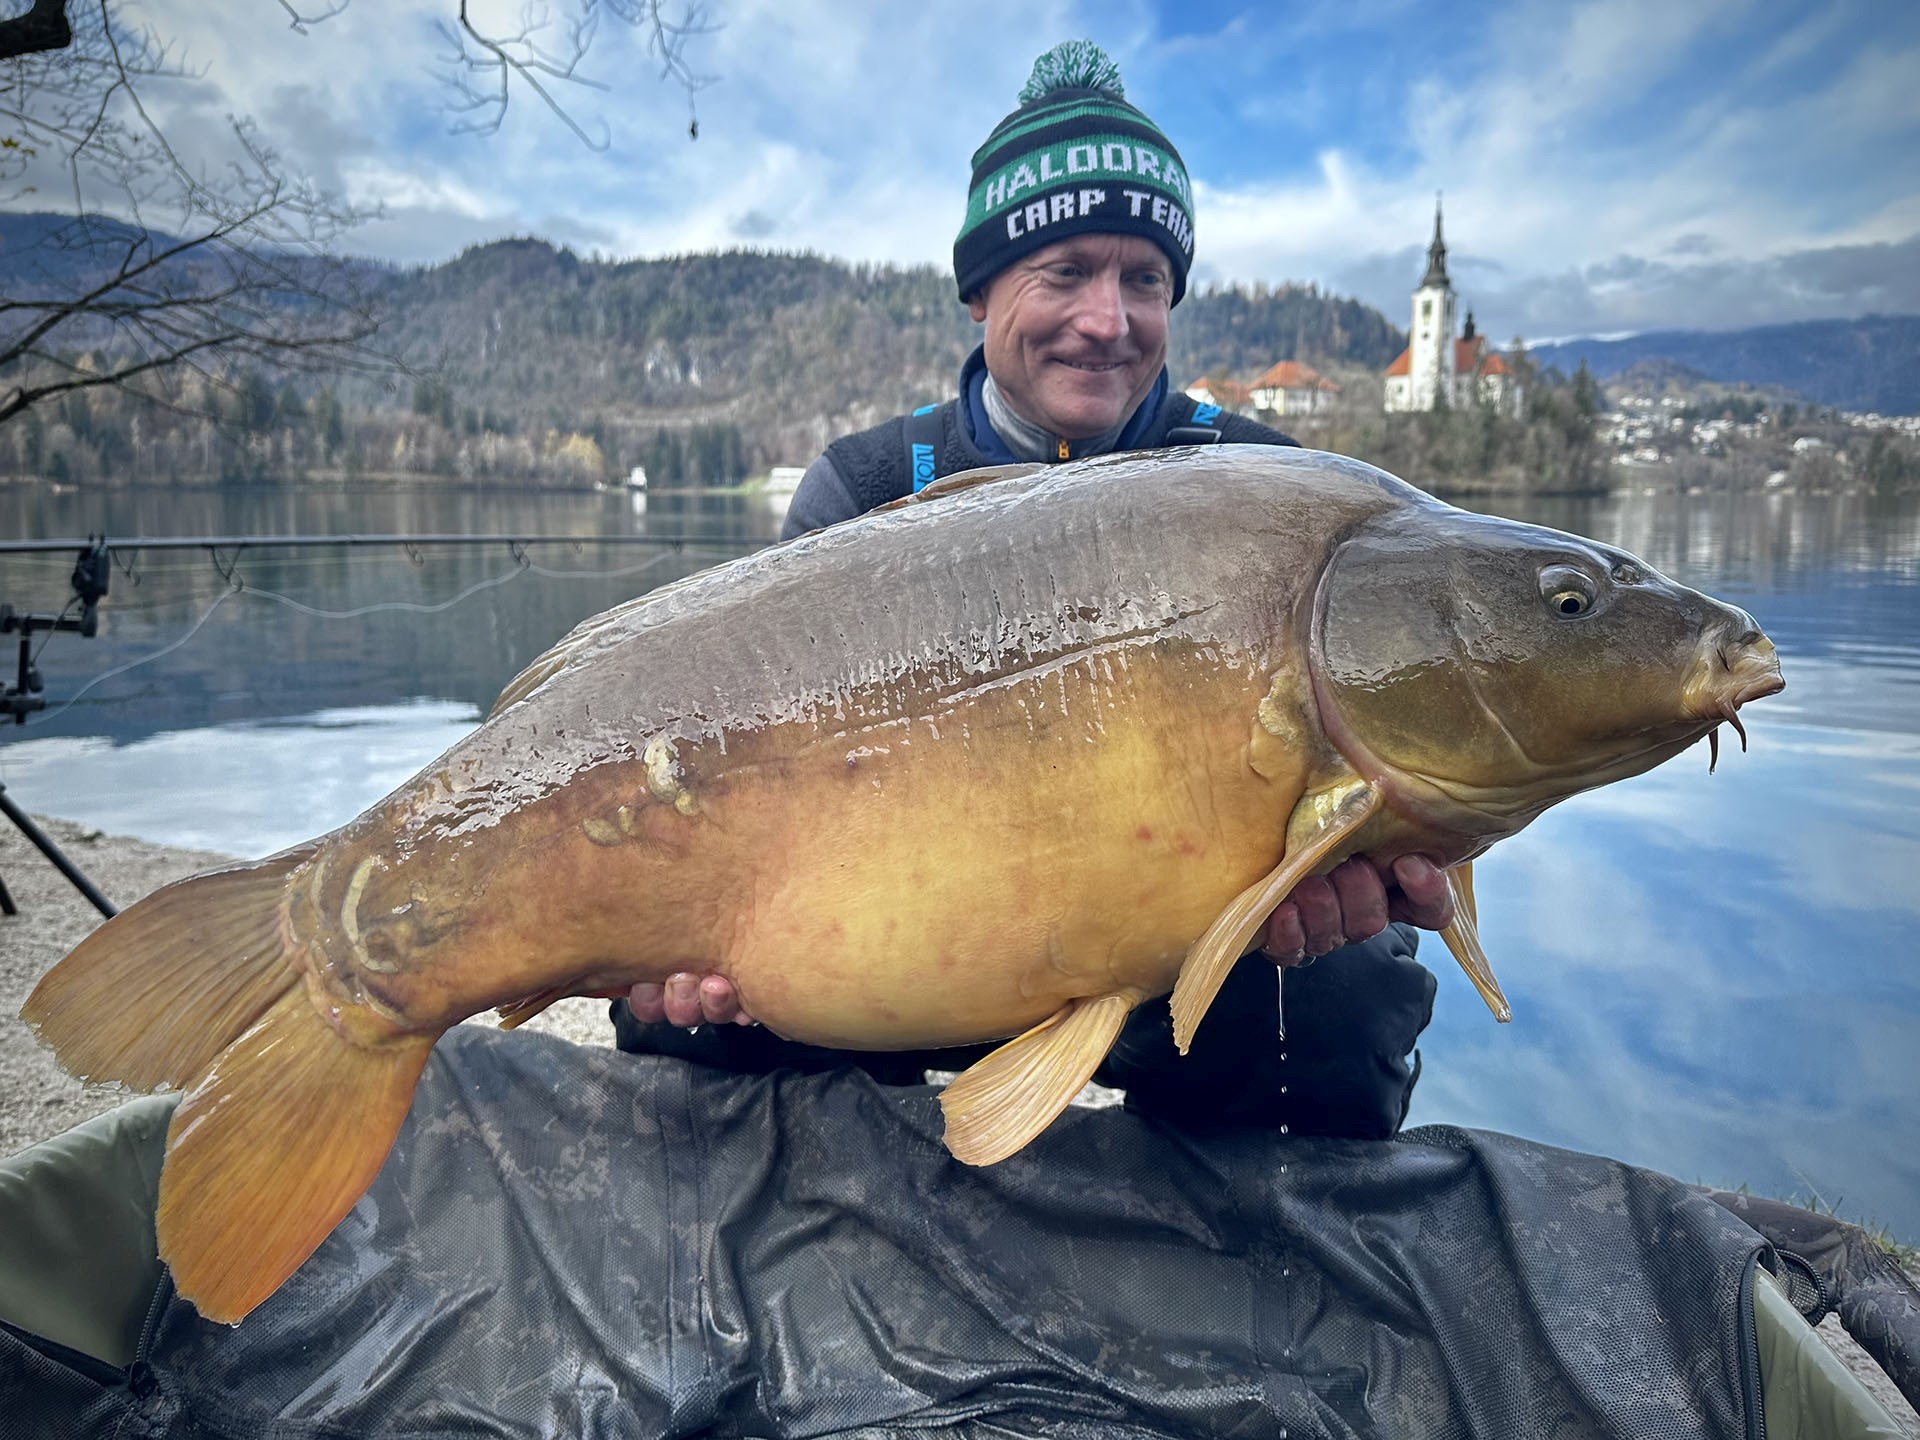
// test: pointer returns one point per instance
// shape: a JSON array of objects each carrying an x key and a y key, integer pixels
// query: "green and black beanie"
[{"x": 1074, "y": 159}]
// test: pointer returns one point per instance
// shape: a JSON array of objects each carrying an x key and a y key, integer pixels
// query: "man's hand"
[
  {"x": 1354, "y": 902},
  {"x": 688, "y": 999},
  {"x": 1324, "y": 912}
]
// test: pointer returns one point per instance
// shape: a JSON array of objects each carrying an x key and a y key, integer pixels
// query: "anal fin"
[
  {"x": 272, "y": 1148},
  {"x": 1213, "y": 955},
  {"x": 516, "y": 1013},
  {"x": 1463, "y": 939},
  {"x": 1002, "y": 1101}
]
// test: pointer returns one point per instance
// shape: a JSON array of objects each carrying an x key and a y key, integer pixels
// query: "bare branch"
[
  {"x": 482, "y": 68},
  {"x": 301, "y": 22},
  {"x": 238, "y": 266},
  {"x": 480, "y": 80}
]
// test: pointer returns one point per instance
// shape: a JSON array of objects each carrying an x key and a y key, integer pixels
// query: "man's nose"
[{"x": 1102, "y": 311}]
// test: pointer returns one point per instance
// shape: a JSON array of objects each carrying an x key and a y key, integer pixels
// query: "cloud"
[
  {"x": 1627, "y": 163},
  {"x": 753, "y": 225},
  {"x": 1607, "y": 164},
  {"x": 1683, "y": 246},
  {"x": 1636, "y": 292}
]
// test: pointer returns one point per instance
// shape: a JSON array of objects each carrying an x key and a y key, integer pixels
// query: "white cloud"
[
  {"x": 1608, "y": 165},
  {"x": 1548, "y": 175}
]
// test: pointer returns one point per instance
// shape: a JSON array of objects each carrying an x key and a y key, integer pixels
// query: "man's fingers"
[
  {"x": 1284, "y": 940},
  {"x": 683, "y": 999},
  {"x": 1319, "y": 907},
  {"x": 1363, "y": 898},
  {"x": 1423, "y": 897},
  {"x": 648, "y": 1002},
  {"x": 687, "y": 999},
  {"x": 720, "y": 1002}
]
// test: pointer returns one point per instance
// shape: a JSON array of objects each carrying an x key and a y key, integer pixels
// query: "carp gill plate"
[{"x": 1005, "y": 760}]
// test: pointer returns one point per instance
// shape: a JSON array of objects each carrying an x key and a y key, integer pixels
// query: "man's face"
[{"x": 1077, "y": 332}]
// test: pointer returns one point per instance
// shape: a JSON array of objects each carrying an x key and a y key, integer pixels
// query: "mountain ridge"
[{"x": 1867, "y": 364}]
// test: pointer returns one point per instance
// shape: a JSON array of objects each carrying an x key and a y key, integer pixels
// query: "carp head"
[{"x": 1476, "y": 670}]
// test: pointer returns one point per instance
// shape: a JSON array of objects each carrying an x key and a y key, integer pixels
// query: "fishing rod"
[
  {"x": 92, "y": 574},
  {"x": 97, "y": 556},
  {"x": 256, "y": 542}
]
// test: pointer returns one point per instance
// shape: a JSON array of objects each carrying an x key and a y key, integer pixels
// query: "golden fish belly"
[{"x": 959, "y": 874}]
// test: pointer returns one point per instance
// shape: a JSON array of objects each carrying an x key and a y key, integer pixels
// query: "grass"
[{"x": 1905, "y": 1255}]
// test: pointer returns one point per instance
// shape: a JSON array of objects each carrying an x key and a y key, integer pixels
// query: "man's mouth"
[{"x": 1093, "y": 367}]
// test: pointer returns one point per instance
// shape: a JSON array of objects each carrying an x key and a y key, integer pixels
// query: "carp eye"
[{"x": 1567, "y": 591}]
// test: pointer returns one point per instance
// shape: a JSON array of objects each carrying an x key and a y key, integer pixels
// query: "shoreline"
[{"x": 38, "y": 1099}]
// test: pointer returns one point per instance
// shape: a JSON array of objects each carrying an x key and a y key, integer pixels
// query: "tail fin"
[
  {"x": 269, "y": 1152},
  {"x": 286, "y": 1122},
  {"x": 152, "y": 996}
]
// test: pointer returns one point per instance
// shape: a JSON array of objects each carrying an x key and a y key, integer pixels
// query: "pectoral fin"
[
  {"x": 1001, "y": 1102},
  {"x": 1463, "y": 939},
  {"x": 1225, "y": 941}
]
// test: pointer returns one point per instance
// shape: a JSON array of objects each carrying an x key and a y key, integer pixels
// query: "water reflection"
[
  {"x": 313, "y": 629},
  {"x": 248, "y": 788},
  {"x": 1709, "y": 975}
]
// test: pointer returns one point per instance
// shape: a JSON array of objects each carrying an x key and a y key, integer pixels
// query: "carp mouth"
[{"x": 1729, "y": 674}]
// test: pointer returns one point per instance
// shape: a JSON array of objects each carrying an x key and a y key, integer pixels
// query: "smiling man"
[{"x": 1074, "y": 251}]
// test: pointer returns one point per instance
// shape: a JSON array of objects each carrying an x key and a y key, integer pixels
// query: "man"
[{"x": 1075, "y": 249}]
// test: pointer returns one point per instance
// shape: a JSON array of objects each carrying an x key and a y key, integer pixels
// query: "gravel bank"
[{"x": 38, "y": 1098}]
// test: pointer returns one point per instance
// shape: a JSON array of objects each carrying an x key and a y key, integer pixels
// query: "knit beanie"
[{"x": 1074, "y": 159}]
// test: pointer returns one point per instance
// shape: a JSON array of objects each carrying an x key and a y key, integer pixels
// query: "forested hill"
[
  {"x": 529, "y": 363},
  {"x": 794, "y": 348},
  {"x": 1863, "y": 365}
]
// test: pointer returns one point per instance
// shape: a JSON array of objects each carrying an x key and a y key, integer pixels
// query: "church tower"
[{"x": 1430, "y": 346}]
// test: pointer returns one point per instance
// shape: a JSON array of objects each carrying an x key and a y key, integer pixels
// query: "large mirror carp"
[{"x": 1006, "y": 760}]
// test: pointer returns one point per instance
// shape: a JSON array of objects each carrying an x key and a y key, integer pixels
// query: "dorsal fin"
[{"x": 964, "y": 480}]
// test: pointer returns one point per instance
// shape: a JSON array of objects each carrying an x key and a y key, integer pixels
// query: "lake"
[{"x": 1711, "y": 975}]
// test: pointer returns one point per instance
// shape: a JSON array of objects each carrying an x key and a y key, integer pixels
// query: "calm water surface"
[{"x": 1711, "y": 975}]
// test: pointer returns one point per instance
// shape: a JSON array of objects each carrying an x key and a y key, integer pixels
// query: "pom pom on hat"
[{"x": 1073, "y": 65}]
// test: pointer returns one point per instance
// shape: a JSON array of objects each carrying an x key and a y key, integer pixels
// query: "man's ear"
[{"x": 977, "y": 307}]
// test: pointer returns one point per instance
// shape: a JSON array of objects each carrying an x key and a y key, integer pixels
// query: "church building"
[{"x": 1438, "y": 369}]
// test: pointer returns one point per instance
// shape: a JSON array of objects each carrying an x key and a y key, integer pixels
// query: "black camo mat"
[{"x": 585, "y": 1243}]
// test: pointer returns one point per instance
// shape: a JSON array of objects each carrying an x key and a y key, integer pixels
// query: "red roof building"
[{"x": 1439, "y": 369}]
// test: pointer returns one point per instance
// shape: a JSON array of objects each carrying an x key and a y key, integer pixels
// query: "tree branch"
[
  {"x": 481, "y": 68},
  {"x": 246, "y": 274}
]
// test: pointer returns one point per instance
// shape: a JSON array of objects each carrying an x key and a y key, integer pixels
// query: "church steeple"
[{"x": 1436, "y": 254}]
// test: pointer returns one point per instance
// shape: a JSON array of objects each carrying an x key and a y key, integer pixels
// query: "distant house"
[
  {"x": 1290, "y": 388},
  {"x": 1217, "y": 390},
  {"x": 1439, "y": 369}
]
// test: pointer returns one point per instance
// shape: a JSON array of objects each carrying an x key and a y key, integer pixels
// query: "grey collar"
[{"x": 1029, "y": 441}]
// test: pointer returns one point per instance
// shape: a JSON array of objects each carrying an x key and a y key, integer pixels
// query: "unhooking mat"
[{"x": 586, "y": 1243}]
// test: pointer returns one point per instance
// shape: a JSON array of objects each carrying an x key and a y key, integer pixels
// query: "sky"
[{"x": 1608, "y": 166}]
